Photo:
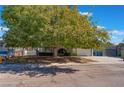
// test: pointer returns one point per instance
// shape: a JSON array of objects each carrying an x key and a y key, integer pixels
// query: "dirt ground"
[{"x": 106, "y": 72}]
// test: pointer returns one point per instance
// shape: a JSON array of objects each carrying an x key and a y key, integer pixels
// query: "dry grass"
[{"x": 49, "y": 59}]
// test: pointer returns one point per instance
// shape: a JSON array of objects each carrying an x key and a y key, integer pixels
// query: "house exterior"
[
  {"x": 78, "y": 51},
  {"x": 83, "y": 52},
  {"x": 74, "y": 52},
  {"x": 3, "y": 49},
  {"x": 112, "y": 51},
  {"x": 98, "y": 52},
  {"x": 120, "y": 50}
]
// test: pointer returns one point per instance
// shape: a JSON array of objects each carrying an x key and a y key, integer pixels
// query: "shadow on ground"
[
  {"x": 33, "y": 70},
  {"x": 49, "y": 59}
]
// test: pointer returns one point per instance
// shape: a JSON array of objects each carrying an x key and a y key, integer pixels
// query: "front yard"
[
  {"x": 46, "y": 60},
  {"x": 107, "y": 72}
]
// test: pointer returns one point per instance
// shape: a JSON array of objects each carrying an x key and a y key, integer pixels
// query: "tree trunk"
[
  {"x": 55, "y": 50},
  {"x": 37, "y": 51},
  {"x": 23, "y": 51}
]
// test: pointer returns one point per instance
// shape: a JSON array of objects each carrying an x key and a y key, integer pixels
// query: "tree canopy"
[{"x": 51, "y": 26}]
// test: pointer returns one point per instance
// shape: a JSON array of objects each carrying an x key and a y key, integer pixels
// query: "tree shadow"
[
  {"x": 50, "y": 59},
  {"x": 64, "y": 59},
  {"x": 33, "y": 70}
]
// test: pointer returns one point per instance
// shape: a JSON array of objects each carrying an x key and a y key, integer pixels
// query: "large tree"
[{"x": 51, "y": 26}]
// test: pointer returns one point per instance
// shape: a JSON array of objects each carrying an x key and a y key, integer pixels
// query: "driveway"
[
  {"x": 106, "y": 72},
  {"x": 105, "y": 60}
]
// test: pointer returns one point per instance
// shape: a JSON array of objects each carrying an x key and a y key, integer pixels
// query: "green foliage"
[{"x": 51, "y": 26}]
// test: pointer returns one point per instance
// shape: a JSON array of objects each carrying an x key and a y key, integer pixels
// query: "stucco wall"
[{"x": 83, "y": 52}]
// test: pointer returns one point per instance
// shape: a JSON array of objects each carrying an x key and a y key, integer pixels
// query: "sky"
[{"x": 110, "y": 17}]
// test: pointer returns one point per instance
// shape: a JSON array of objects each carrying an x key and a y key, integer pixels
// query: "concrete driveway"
[
  {"x": 105, "y": 60},
  {"x": 106, "y": 72}
]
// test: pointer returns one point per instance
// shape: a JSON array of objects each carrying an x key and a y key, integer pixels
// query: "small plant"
[{"x": 16, "y": 60}]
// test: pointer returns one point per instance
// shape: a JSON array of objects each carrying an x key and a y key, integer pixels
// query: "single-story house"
[{"x": 113, "y": 51}]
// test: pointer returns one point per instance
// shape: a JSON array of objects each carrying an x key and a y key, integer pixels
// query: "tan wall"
[
  {"x": 18, "y": 53},
  {"x": 33, "y": 52},
  {"x": 83, "y": 52}
]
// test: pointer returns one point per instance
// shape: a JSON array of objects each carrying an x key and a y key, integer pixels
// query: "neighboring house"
[
  {"x": 114, "y": 50},
  {"x": 3, "y": 49},
  {"x": 111, "y": 51},
  {"x": 120, "y": 50}
]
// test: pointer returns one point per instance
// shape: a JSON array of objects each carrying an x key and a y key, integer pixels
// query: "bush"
[
  {"x": 45, "y": 54},
  {"x": 73, "y": 54},
  {"x": 16, "y": 60}
]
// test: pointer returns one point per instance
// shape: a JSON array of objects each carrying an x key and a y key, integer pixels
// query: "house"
[
  {"x": 3, "y": 49},
  {"x": 83, "y": 52},
  {"x": 49, "y": 51},
  {"x": 120, "y": 49},
  {"x": 112, "y": 51},
  {"x": 98, "y": 52}
]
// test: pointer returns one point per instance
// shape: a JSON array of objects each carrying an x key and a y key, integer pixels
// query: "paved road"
[{"x": 97, "y": 74}]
